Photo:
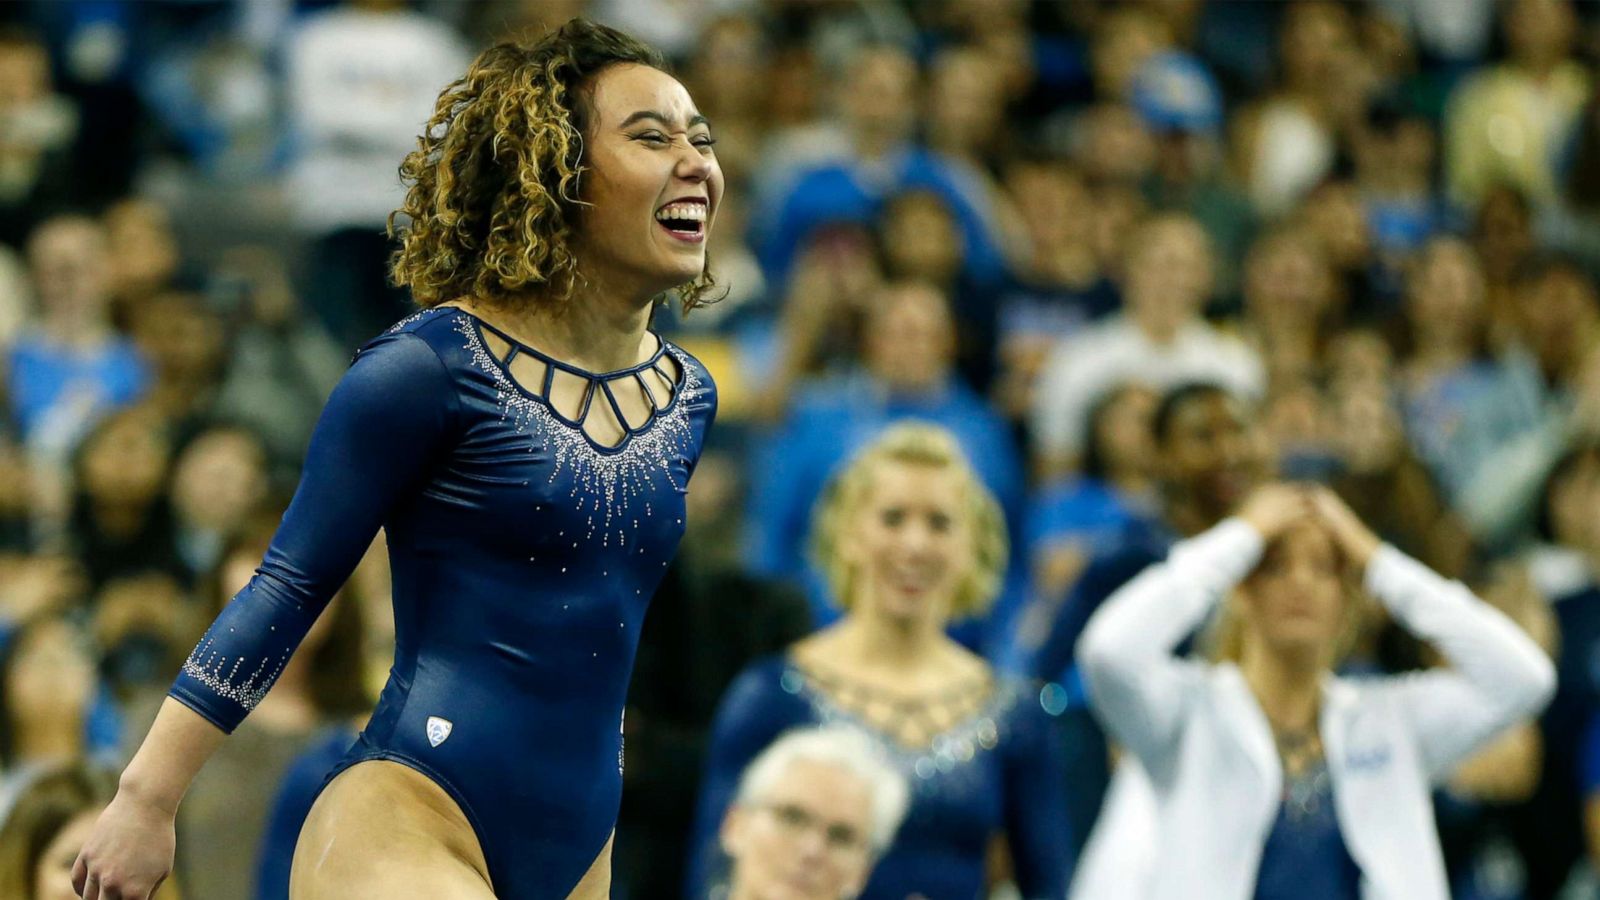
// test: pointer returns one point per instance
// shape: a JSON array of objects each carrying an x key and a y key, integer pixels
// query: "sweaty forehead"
[{"x": 628, "y": 88}]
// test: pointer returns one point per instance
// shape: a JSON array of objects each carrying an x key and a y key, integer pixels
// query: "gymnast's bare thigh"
[{"x": 384, "y": 830}]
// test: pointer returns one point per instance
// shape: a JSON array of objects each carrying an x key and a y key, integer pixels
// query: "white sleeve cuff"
[{"x": 1221, "y": 557}]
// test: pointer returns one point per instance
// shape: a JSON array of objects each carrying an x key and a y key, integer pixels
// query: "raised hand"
[
  {"x": 1352, "y": 535},
  {"x": 1274, "y": 508}
]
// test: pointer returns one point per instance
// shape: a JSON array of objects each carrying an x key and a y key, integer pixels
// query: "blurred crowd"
[{"x": 1375, "y": 224}]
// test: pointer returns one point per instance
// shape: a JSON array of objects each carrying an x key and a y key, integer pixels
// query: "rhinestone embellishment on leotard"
[
  {"x": 948, "y": 754},
  {"x": 213, "y": 670},
  {"x": 607, "y": 485}
]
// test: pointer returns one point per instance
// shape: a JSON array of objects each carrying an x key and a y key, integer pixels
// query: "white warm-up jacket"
[{"x": 1205, "y": 744}]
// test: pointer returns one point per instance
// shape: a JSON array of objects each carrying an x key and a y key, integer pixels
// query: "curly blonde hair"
[
  {"x": 494, "y": 188},
  {"x": 913, "y": 444}
]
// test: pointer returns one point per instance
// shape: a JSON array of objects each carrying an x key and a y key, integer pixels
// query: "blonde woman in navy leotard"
[{"x": 525, "y": 443}]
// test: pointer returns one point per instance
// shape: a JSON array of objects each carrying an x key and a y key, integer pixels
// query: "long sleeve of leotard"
[
  {"x": 1036, "y": 804},
  {"x": 387, "y": 421}
]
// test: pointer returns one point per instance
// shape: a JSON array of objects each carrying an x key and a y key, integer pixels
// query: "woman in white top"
[{"x": 1273, "y": 777}]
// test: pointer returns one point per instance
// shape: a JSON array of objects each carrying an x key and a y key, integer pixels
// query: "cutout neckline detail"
[
  {"x": 521, "y": 347},
  {"x": 674, "y": 384}
]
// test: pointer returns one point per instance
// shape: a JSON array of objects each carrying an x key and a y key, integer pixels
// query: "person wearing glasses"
[{"x": 813, "y": 813}]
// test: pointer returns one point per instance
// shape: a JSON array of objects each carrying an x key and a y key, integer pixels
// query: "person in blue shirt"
[
  {"x": 1072, "y": 521},
  {"x": 906, "y": 373},
  {"x": 71, "y": 369},
  {"x": 525, "y": 443},
  {"x": 908, "y": 538},
  {"x": 880, "y": 160}
]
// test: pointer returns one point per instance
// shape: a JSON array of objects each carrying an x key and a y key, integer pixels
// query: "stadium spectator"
[
  {"x": 1329, "y": 779},
  {"x": 37, "y": 128},
  {"x": 122, "y": 523},
  {"x": 1159, "y": 339},
  {"x": 1507, "y": 123},
  {"x": 45, "y": 821},
  {"x": 906, "y": 373},
  {"x": 361, "y": 81},
  {"x": 811, "y": 816},
  {"x": 71, "y": 367}
]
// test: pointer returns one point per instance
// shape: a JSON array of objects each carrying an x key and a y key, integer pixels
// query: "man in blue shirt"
[
  {"x": 70, "y": 367},
  {"x": 906, "y": 372}
]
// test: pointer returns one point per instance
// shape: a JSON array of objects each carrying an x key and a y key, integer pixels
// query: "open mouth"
[{"x": 685, "y": 220}]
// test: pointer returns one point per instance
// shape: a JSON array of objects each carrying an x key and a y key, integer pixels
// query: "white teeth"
[{"x": 692, "y": 211}]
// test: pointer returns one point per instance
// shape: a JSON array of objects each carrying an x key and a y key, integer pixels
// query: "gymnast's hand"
[{"x": 129, "y": 853}]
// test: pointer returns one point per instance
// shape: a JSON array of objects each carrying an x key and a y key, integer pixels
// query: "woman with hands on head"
[{"x": 1276, "y": 778}]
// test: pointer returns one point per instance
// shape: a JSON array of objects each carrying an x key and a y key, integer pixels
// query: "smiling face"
[
  {"x": 806, "y": 839},
  {"x": 653, "y": 182},
  {"x": 911, "y": 544}
]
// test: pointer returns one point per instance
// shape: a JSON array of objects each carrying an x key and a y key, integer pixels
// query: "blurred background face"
[
  {"x": 1294, "y": 601},
  {"x": 71, "y": 267},
  {"x": 1055, "y": 205},
  {"x": 1117, "y": 211},
  {"x": 183, "y": 338},
  {"x": 1334, "y": 213},
  {"x": 1210, "y": 453},
  {"x": 1504, "y": 232},
  {"x": 966, "y": 102},
  {"x": 1169, "y": 273},
  {"x": 219, "y": 480},
  {"x": 1558, "y": 313},
  {"x": 24, "y": 74},
  {"x": 1539, "y": 32},
  {"x": 1287, "y": 282},
  {"x": 51, "y": 674},
  {"x": 1574, "y": 497},
  {"x": 1122, "y": 432},
  {"x": 879, "y": 94},
  {"x": 1314, "y": 33},
  {"x": 921, "y": 238},
  {"x": 806, "y": 839},
  {"x": 125, "y": 462},
  {"x": 910, "y": 338},
  {"x": 910, "y": 545},
  {"x": 1445, "y": 295},
  {"x": 1124, "y": 39},
  {"x": 729, "y": 71},
  {"x": 144, "y": 250},
  {"x": 1116, "y": 145}
]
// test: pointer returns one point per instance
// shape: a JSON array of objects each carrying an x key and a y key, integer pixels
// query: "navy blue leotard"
[{"x": 523, "y": 556}]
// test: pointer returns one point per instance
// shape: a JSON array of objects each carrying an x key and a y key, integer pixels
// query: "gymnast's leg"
[{"x": 384, "y": 830}]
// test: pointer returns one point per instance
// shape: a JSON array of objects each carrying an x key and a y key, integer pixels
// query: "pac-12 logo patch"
[{"x": 438, "y": 730}]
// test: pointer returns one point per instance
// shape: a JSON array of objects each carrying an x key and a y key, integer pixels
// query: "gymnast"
[{"x": 525, "y": 442}]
